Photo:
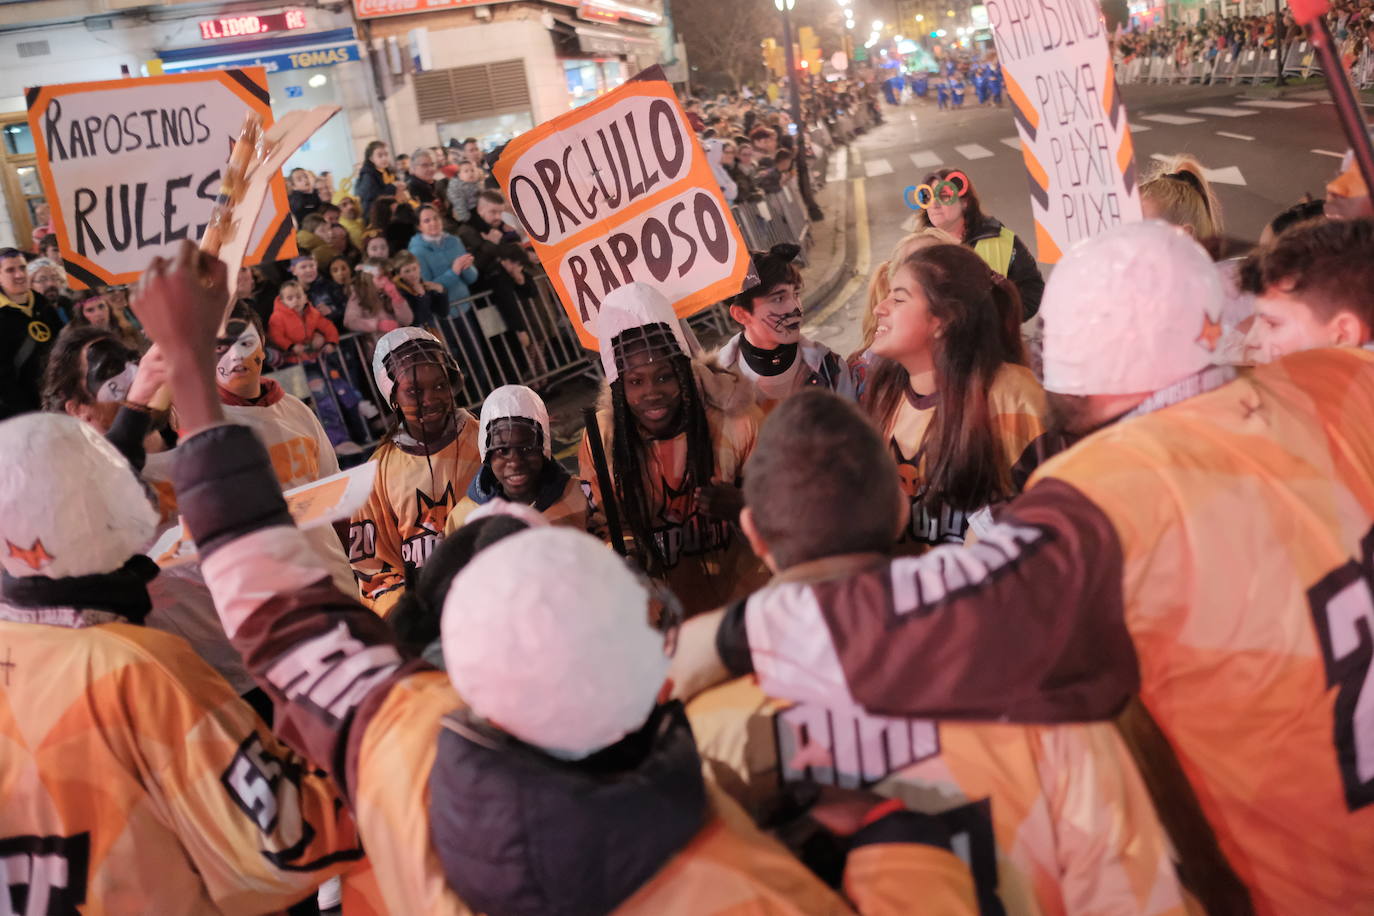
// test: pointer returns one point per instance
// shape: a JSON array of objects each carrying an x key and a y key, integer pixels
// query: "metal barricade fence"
[
  {"x": 1226, "y": 67},
  {"x": 487, "y": 346}
]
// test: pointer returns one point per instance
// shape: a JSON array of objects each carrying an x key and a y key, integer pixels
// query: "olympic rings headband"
[{"x": 946, "y": 192}]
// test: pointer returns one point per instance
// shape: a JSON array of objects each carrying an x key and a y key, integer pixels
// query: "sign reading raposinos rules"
[
  {"x": 619, "y": 191},
  {"x": 1069, "y": 113},
  {"x": 131, "y": 167}
]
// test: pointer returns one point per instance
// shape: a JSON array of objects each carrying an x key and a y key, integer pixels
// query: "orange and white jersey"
[
  {"x": 1051, "y": 819},
  {"x": 1017, "y": 409},
  {"x": 571, "y": 509},
  {"x": 710, "y": 563},
  {"x": 134, "y": 780},
  {"x": 391, "y": 537},
  {"x": 1216, "y": 557}
]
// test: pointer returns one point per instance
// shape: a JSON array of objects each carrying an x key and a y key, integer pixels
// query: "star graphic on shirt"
[
  {"x": 432, "y": 514},
  {"x": 35, "y": 556},
  {"x": 1211, "y": 333}
]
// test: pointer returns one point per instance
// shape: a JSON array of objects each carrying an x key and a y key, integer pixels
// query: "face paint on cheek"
[
  {"x": 243, "y": 355},
  {"x": 116, "y": 390},
  {"x": 786, "y": 326}
]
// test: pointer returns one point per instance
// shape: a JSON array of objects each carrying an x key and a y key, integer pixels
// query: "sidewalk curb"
[{"x": 820, "y": 293}]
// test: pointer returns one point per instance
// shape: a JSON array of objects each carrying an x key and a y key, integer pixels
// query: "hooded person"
[
  {"x": 771, "y": 351},
  {"x": 715, "y": 157},
  {"x": 1206, "y": 545},
  {"x": 518, "y": 465},
  {"x": 425, "y": 463},
  {"x": 676, "y": 433},
  {"x": 133, "y": 751}
]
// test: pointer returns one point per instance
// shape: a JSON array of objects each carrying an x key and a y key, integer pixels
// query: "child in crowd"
[
  {"x": 463, "y": 189},
  {"x": 306, "y": 270},
  {"x": 425, "y": 298},
  {"x": 303, "y": 336},
  {"x": 303, "y": 198},
  {"x": 351, "y": 218},
  {"x": 373, "y": 310}
]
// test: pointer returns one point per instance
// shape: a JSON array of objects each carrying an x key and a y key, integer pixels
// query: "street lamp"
[
  {"x": 920, "y": 17},
  {"x": 877, "y": 25},
  {"x": 803, "y": 172}
]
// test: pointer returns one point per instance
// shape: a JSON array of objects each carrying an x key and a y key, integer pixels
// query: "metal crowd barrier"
[
  {"x": 485, "y": 346},
  {"x": 776, "y": 219},
  {"x": 1301, "y": 60}
]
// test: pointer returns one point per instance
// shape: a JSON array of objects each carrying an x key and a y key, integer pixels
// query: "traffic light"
[
  {"x": 810, "y": 48},
  {"x": 773, "y": 57}
]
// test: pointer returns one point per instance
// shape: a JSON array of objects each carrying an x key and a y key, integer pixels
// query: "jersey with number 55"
[
  {"x": 1217, "y": 557},
  {"x": 134, "y": 780}
]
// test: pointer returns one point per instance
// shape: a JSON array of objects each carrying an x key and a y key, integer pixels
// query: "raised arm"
[{"x": 1027, "y": 625}]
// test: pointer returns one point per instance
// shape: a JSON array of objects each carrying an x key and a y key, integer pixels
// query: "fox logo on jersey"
[{"x": 43, "y": 875}]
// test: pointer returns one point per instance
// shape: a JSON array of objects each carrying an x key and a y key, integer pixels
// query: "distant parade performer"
[
  {"x": 942, "y": 93},
  {"x": 956, "y": 91}
]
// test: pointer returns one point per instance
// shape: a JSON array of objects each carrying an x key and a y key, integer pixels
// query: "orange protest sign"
[
  {"x": 620, "y": 191},
  {"x": 132, "y": 166}
]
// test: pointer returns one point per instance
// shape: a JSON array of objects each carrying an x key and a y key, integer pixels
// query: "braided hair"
[{"x": 629, "y": 453}]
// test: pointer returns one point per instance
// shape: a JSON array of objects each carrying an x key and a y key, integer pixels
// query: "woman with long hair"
[
  {"x": 675, "y": 432},
  {"x": 953, "y": 205},
  {"x": 951, "y": 391}
]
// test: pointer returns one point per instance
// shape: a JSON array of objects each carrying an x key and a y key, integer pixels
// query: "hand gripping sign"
[
  {"x": 620, "y": 191},
  {"x": 132, "y": 166},
  {"x": 1077, "y": 146}
]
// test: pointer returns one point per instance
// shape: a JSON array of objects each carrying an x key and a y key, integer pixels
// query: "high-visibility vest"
[{"x": 997, "y": 251}]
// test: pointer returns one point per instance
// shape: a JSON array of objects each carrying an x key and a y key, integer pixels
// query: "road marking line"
[
  {"x": 838, "y": 168},
  {"x": 1225, "y": 112},
  {"x": 1138, "y": 128},
  {"x": 877, "y": 167},
  {"x": 1222, "y": 133},
  {"x": 973, "y": 151},
  {"x": 1274, "y": 103},
  {"x": 1229, "y": 174},
  {"x": 925, "y": 159},
  {"x": 1327, "y": 152},
  {"x": 861, "y": 259},
  {"x": 1013, "y": 142},
  {"x": 1172, "y": 119}
]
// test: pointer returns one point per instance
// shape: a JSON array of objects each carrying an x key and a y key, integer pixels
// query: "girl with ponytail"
[{"x": 950, "y": 389}]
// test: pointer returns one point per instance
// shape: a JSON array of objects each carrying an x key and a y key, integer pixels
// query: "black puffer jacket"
[{"x": 519, "y": 832}]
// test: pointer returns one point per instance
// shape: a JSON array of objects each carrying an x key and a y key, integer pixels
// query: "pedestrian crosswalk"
[
  {"x": 1171, "y": 119},
  {"x": 1224, "y": 112},
  {"x": 953, "y": 156}
]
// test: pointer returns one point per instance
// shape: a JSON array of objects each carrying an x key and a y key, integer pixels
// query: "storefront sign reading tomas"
[
  {"x": 132, "y": 166},
  {"x": 620, "y": 191},
  {"x": 1069, "y": 113}
]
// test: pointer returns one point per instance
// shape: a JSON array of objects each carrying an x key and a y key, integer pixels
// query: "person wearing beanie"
[
  {"x": 675, "y": 432},
  {"x": 135, "y": 779},
  {"x": 510, "y": 783},
  {"x": 1067, "y": 824},
  {"x": 518, "y": 465},
  {"x": 425, "y": 463},
  {"x": 771, "y": 351},
  {"x": 1206, "y": 545}
]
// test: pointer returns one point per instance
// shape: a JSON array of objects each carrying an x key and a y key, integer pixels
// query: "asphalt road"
[{"x": 1262, "y": 154}]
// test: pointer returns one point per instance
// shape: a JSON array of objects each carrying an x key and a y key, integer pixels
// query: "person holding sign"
[
  {"x": 676, "y": 432},
  {"x": 425, "y": 462},
  {"x": 952, "y": 393},
  {"x": 771, "y": 351},
  {"x": 952, "y": 204}
]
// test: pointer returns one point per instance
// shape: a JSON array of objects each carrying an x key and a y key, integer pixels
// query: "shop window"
[
  {"x": 18, "y": 140},
  {"x": 467, "y": 93},
  {"x": 490, "y": 132}
]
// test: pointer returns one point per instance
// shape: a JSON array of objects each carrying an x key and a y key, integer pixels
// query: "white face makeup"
[
  {"x": 242, "y": 358},
  {"x": 115, "y": 390}
]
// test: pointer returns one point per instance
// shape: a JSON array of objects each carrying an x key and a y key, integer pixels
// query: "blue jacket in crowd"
[{"x": 436, "y": 265}]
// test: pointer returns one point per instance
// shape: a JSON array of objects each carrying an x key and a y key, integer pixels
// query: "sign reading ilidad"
[
  {"x": 1069, "y": 113},
  {"x": 133, "y": 166},
  {"x": 619, "y": 191}
]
